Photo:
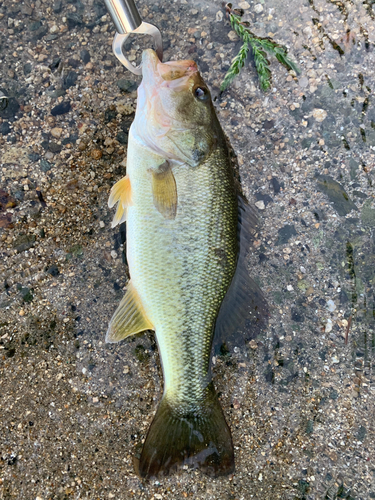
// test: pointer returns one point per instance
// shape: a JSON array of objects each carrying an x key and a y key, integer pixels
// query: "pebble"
[
  {"x": 260, "y": 204},
  {"x": 96, "y": 154},
  {"x": 219, "y": 16},
  {"x": 303, "y": 82},
  {"x": 114, "y": 254},
  {"x": 335, "y": 360},
  {"x": 289, "y": 288},
  {"x": 329, "y": 325},
  {"x": 244, "y": 5},
  {"x": 233, "y": 37},
  {"x": 85, "y": 56},
  {"x": 319, "y": 114},
  {"x": 4, "y": 128},
  {"x": 126, "y": 85},
  {"x": 61, "y": 109},
  {"x": 56, "y": 132},
  {"x": 258, "y": 8},
  {"x": 253, "y": 344},
  {"x": 331, "y": 306}
]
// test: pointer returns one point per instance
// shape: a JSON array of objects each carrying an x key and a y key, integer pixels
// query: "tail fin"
[{"x": 196, "y": 438}]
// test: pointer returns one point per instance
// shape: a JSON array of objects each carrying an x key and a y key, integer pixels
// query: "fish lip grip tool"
[{"x": 127, "y": 20}]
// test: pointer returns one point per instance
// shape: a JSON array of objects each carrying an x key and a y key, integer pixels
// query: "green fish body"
[{"x": 181, "y": 208}]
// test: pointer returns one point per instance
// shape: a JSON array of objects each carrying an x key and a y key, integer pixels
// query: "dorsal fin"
[
  {"x": 244, "y": 299},
  {"x": 129, "y": 318}
]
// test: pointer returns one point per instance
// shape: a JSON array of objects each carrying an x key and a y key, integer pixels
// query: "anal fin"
[
  {"x": 129, "y": 318},
  {"x": 121, "y": 194},
  {"x": 164, "y": 190}
]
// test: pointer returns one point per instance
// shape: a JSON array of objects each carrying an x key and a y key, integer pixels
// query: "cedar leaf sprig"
[{"x": 259, "y": 46}]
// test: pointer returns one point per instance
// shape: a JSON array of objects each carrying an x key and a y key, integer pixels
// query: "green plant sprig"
[{"x": 259, "y": 46}]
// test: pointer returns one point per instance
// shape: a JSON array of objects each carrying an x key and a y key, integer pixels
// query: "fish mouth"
[{"x": 172, "y": 74}]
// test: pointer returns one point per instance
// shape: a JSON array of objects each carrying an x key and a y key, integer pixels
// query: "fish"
[{"x": 185, "y": 227}]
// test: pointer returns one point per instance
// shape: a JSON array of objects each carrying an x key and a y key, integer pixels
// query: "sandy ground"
[{"x": 299, "y": 395}]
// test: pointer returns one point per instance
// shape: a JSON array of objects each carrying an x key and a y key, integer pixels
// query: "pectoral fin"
[
  {"x": 121, "y": 194},
  {"x": 129, "y": 318},
  {"x": 164, "y": 190}
]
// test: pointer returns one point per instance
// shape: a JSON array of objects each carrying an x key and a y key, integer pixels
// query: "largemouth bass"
[{"x": 181, "y": 208}]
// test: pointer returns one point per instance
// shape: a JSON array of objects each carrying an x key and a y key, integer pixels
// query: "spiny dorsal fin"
[
  {"x": 244, "y": 299},
  {"x": 129, "y": 318},
  {"x": 164, "y": 190},
  {"x": 121, "y": 194}
]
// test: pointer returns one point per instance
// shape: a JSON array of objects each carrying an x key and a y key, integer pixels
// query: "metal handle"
[
  {"x": 124, "y": 14},
  {"x": 127, "y": 20}
]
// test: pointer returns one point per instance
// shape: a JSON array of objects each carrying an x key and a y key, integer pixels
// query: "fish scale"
[{"x": 189, "y": 280}]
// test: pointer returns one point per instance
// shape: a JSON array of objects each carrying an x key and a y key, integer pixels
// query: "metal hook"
[{"x": 127, "y": 20}]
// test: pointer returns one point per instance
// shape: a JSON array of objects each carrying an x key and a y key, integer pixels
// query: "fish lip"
[{"x": 171, "y": 74}]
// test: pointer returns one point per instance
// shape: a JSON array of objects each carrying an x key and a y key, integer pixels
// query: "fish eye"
[{"x": 201, "y": 93}]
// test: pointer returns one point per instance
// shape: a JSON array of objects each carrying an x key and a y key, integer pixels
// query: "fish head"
[{"x": 175, "y": 116}]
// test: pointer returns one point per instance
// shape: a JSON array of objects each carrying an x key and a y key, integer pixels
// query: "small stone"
[
  {"x": 244, "y": 5},
  {"x": 126, "y": 369},
  {"x": 260, "y": 204},
  {"x": 61, "y": 109},
  {"x": 73, "y": 20},
  {"x": 331, "y": 306},
  {"x": 96, "y": 154},
  {"x": 335, "y": 360},
  {"x": 53, "y": 270},
  {"x": 275, "y": 185},
  {"x": 85, "y": 56},
  {"x": 35, "y": 25},
  {"x": 95, "y": 400},
  {"x": 285, "y": 233},
  {"x": 219, "y": 16},
  {"x": 319, "y": 114},
  {"x": 22, "y": 312},
  {"x": 56, "y": 132},
  {"x": 114, "y": 254},
  {"x": 303, "y": 82},
  {"x": 126, "y": 85},
  {"x": 302, "y": 269},
  {"x": 290, "y": 288},
  {"x": 11, "y": 108},
  {"x": 329, "y": 326},
  {"x": 24, "y": 242},
  {"x": 27, "y": 68},
  {"x": 258, "y": 8},
  {"x": 84, "y": 370},
  {"x": 122, "y": 137},
  {"x": 57, "y": 7},
  {"x": 253, "y": 344},
  {"x": 4, "y": 128},
  {"x": 101, "y": 224},
  {"x": 70, "y": 79},
  {"x": 233, "y": 37}
]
